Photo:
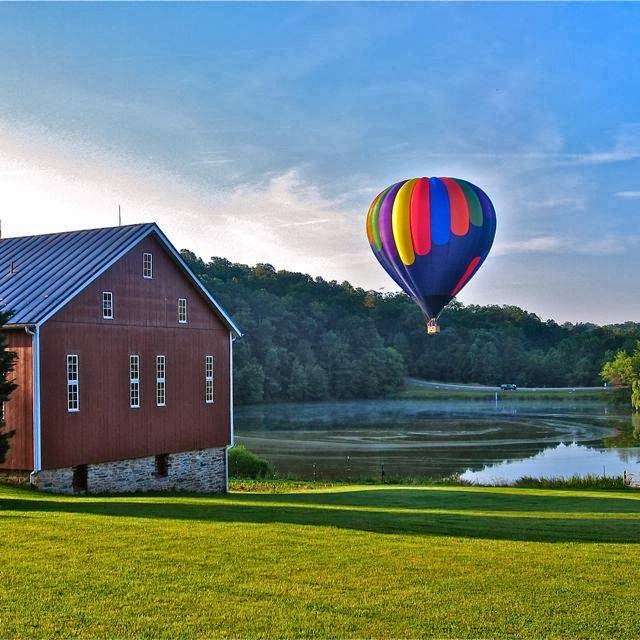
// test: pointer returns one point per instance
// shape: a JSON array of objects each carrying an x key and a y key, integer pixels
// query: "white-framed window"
[
  {"x": 182, "y": 310},
  {"x": 209, "y": 380},
  {"x": 147, "y": 265},
  {"x": 134, "y": 381},
  {"x": 161, "y": 382},
  {"x": 107, "y": 305},
  {"x": 73, "y": 381}
]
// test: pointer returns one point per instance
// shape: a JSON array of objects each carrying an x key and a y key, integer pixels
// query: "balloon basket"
[{"x": 433, "y": 327}]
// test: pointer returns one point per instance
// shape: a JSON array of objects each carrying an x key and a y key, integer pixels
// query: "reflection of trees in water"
[
  {"x": 627, "y": 434},
  {"x": 635, "y": 421}
]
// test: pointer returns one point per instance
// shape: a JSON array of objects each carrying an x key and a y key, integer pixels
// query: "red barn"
[{"x": 124, "y": 366}]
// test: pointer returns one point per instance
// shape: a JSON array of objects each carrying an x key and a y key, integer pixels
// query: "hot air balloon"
[{"x": 431, "y": 235}]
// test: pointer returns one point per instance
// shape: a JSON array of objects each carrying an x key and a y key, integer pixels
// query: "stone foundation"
[
  {"x": 202, "y": 471},
  {"x": 11, "y": 476}
]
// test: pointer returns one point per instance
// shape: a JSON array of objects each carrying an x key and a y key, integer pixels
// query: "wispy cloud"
[
  {"x": 548, "y": 244},
  {"x": 625, "y": 148},
  {"x": 539, "y": 244},
  {"x": 596, "y": 157},
  {"x": 628, "y": 194},
  {"x": 306, "y": 223},
  {"x": 214, "y": 159},
  {"x": 573, "y": 201},
  {"x": 603, "y": 157},
  {"x": 284, "y": 219}
]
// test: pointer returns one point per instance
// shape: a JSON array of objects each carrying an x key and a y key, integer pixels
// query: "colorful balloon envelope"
[{"x": 431, "y": 235}]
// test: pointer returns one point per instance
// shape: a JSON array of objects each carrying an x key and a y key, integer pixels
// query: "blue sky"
[{"x": 262, "y": 132}]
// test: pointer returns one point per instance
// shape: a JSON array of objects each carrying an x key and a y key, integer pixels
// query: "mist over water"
[{"x": 484, "y": 441}]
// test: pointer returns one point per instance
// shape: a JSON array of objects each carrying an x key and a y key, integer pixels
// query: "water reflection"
[
  {"x": 562, "y": 461},
  {"x": 430, "y": 438}
]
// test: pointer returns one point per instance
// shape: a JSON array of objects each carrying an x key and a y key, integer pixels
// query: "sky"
[{"x": 261, "y": 133}]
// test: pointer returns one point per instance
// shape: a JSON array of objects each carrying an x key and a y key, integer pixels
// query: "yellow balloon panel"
[{"x": 401, "y": 222}]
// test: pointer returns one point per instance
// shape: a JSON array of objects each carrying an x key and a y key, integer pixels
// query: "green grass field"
[
  {"x": 416, "y": 392},
  {"x": 343, "y": 561}
]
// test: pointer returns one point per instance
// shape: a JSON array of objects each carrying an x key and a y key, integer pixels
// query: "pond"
[{"x": 482, "y": 440}]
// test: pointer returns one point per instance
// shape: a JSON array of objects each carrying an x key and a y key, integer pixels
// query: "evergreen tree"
[{"x": 7, "y": 360}]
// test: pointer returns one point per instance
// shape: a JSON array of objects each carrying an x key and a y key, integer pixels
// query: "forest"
[{"x": 310, "y": 339}]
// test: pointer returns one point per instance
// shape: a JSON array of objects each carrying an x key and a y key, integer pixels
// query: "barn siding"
[
  {"x": 106, "y": 428},
  {"x": 19, "y": 408}
]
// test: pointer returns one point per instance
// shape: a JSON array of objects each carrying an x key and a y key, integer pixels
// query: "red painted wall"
[
  {"x": 19, "y": 408},
  {"x": 145, "y": 323}
]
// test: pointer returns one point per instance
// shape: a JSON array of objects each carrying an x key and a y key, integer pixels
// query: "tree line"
[{"x": 310, "y": 339}]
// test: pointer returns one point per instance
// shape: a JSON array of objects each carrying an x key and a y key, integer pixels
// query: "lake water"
[{"x": 483, "y": 441}]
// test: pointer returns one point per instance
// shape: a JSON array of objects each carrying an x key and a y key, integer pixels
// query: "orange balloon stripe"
[
  {"x": 465, "y": 276},
  {"x": 420, "y": 217},
  {"x": 459, "y": 207}
]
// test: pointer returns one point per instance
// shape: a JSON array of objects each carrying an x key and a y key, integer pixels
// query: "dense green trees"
[
  {"x": 305, "y": 339},
  {"x": 623, "y": 370},
  {"x": 309, "y": 339},
  {"x": 503, "y": 344}
]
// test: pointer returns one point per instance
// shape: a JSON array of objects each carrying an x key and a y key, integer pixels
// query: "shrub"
[{"x": 246, "y": 464}]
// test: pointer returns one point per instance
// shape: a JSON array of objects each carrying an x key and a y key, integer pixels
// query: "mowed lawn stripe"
[{"x": 353, "y": 561}]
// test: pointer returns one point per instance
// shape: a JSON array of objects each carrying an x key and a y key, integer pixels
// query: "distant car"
[{"x": 508, "y": 387}]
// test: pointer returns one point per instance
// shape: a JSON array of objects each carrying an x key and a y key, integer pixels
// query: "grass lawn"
[
  {"x": 416, "y": 392},
  {"x": 350, "y": 561}
]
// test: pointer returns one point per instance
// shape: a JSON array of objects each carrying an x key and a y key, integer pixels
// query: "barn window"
[
  {"x": 147, "y": 265},
  {"x": 107, "y": 305},
  {"x": 73, "y": 396},
  {"x": 208, "y": 379},
  {"x": 134, "y": 381},
  {"x": 161, "y": 386},
  {"x": 182, "y": 310}
]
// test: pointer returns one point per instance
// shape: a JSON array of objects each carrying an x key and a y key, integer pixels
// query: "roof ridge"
[{"x": 61, "y": 233}]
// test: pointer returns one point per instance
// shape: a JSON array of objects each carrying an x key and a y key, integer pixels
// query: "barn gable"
[{"x": 41, "y": 274}]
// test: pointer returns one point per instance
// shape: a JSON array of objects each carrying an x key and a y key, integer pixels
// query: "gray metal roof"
[{"x": 40, "y": 274}]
